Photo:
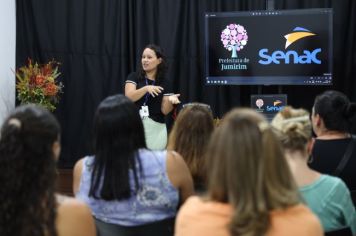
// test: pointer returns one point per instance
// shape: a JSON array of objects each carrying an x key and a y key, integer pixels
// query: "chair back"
[
  {"x": 340, "y": 232},
  {"x": 353, "y": 196},
  {"x": 162, "y": 228}
]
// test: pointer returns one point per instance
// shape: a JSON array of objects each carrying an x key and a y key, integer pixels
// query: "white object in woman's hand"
[
  {"x": 174, "y": 99},
  {"x": 154, "y": 90}
]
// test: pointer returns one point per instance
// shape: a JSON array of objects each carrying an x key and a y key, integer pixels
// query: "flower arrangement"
[{"x": 38, "y": 84}]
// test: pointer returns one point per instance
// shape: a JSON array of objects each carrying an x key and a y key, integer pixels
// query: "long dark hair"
[
  {"x": 336, "y": 110},
  {"x": 28, "y": 172},
  {"x": 118, "y": 134},
  {"x": 161, "y": 68}
]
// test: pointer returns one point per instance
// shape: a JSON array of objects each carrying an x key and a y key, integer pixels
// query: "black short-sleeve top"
[
  {"x": 327, "y": 155},
  {"x": 153, "y": 103}
]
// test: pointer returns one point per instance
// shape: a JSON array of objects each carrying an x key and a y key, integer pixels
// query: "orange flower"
[
  {"x": 51, "y": 89},
  {"x": 40, "y": 80}
]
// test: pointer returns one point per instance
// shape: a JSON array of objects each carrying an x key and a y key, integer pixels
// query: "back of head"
[
  {"x": 294, "y": 127},
  {"x": 248, "y": 170},
  {"x": 118, "y": 134},
  {"x": 28, "y": 172},
  {"x": 117, "y": 126},
  {"x": 336, "y": 110},
  {"x": 190, "y": 136}
]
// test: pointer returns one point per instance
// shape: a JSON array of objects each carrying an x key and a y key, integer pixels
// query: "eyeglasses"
[{"x": 198, "y": 104}]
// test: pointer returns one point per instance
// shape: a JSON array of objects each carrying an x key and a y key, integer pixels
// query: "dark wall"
[{"x": 100, "y": 42}]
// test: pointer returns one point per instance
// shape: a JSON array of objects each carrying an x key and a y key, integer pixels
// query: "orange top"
[{"x": 198, "y": 217}]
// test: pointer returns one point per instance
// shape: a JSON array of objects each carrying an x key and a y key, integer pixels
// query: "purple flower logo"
[{"x": 234, "y": 38}]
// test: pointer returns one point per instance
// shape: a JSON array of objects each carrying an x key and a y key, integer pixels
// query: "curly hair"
[{"x": 28, "y": 173}]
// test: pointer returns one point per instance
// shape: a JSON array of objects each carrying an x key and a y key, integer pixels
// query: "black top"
[
  {"x": 153, "y": 103},
  {"x": 327, "y": 155}
]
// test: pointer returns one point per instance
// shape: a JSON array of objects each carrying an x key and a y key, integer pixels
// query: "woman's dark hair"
[
  {"x": 118, "y": 134},
  {"x": 336, "y": 110},
  {"x": 161, "y": 68},
  {"x": 28, "y": 172}
]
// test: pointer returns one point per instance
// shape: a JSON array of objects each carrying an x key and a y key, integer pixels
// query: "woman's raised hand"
[{"x": 154, "y": 90}]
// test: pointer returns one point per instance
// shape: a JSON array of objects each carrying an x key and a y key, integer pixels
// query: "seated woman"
[
  {"x": 124, "y": 183},
  {"x": 251, "y": 190},
  {"x": 190, "y": 136},
  {"x": 29, "y": 149},
  {"x": 327, "y": 196},
  {"x": 333, "y": 117}
]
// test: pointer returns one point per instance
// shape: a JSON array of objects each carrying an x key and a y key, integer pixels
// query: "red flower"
[
  {"x": 32, "y": 81},
  {"x": 47, "y": 70}
]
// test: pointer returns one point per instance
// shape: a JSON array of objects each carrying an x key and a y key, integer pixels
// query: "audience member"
[
  {"x": 190, "y": 136},
  {"x": 251, "y": 190},
  {"x": 124, "y": 183},
  {"x": 327, "y": 196},
  {"x": 333, "y": 116},
  {"x": 29, "y": 149}
]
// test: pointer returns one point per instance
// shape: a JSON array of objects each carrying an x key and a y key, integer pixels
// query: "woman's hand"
[
  {"x": 154, "y": 90},
  {"x": 168, "y": 103},
  {"x": 174, "y": 99}
]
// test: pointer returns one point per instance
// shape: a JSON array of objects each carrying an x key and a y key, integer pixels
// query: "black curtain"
[{"x": 100, "y": 42}]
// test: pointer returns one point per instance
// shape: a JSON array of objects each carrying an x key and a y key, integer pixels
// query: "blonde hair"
[
  {"x": 190, "y": 136},
  {"x": 294, "y": 127},
  {"x": 248, "y": 170}
]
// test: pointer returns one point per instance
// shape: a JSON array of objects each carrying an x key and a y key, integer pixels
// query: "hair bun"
[
  {"x": 294, "y": 130},
  {"x": 291, "y": 127}
]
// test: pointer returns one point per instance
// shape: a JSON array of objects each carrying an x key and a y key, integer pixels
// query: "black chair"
[
  {"x": 353, "y": 196},
  {"x": 161, "y": 228},
  {"x": 340, "y": 232}
]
